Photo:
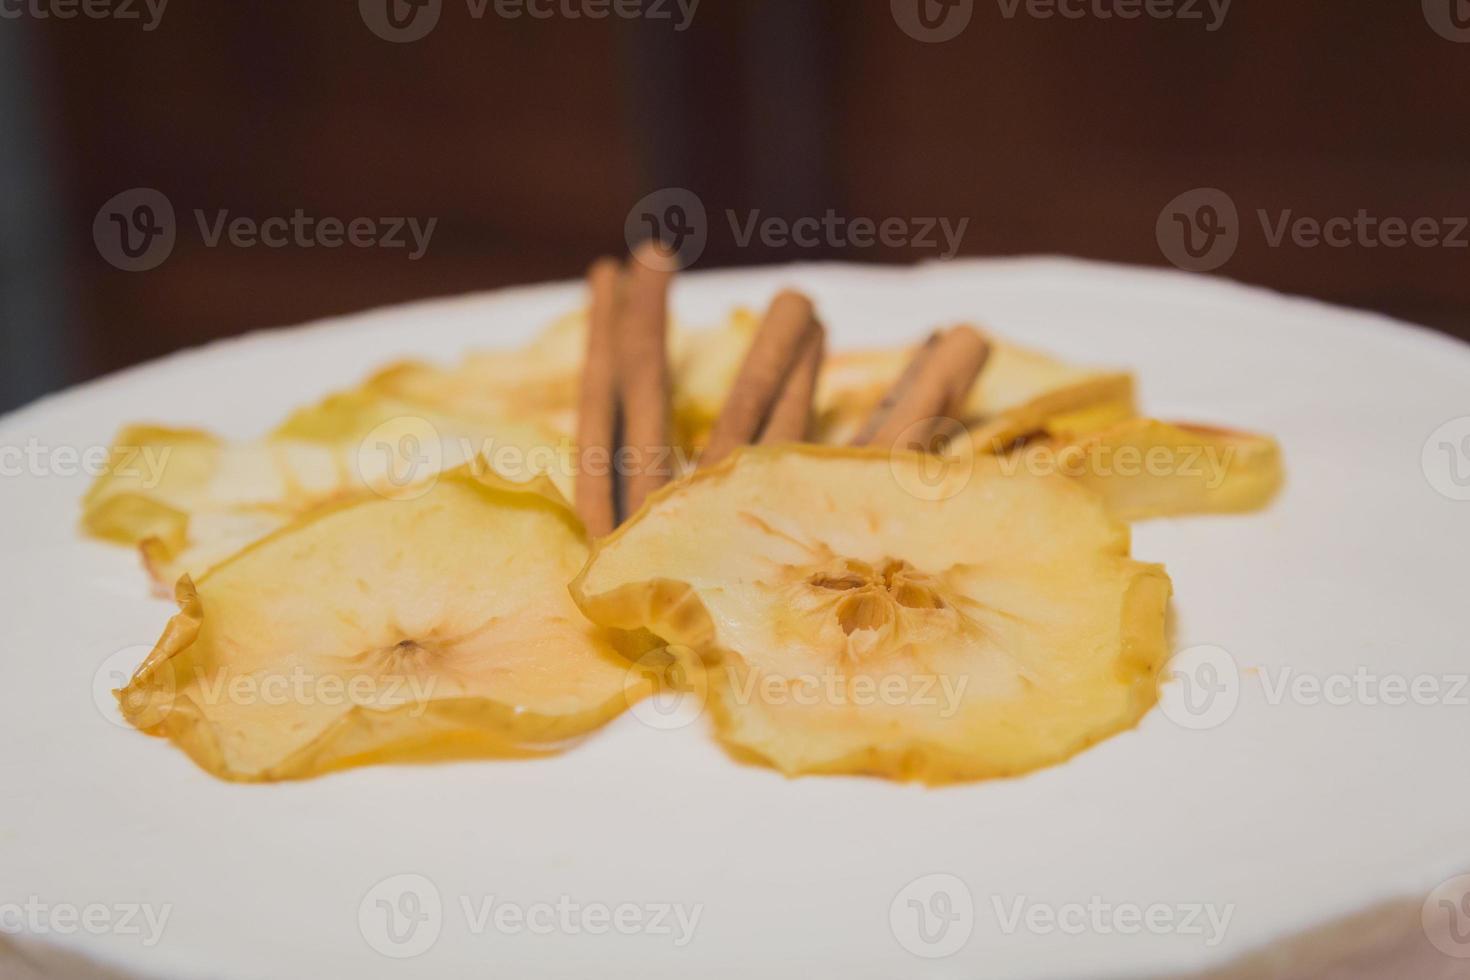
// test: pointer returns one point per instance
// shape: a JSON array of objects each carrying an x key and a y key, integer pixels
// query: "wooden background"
[{"x": 530, "y": 140}]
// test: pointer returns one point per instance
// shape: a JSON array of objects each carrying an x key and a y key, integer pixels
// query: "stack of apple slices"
[{"x": 841, "y": 610}]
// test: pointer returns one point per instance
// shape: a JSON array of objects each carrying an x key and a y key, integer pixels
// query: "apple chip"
[
  {"x": 188, "y": 499},
  {"x": 535, "y": 385},
  {"x": 154, "y": 476},
  {"x": 384, "y": 444},
  {"x": 538, "y": 385},
  {"x": 1022, "y": 391},
  {"x": 437, "y": 625},
  {"x": 1144, "y": 468},
  {"x": 850, "y": 611}
]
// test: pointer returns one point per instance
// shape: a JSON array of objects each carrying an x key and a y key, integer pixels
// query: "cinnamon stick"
[
  {"x": 933, "y": 386},
  {"x": 791, "y": 416},
  {"x": 771, "y": 396},
  {"x": 900, "y": 388},
  {"x": 597, "y": 418},
  {"x": 643, "y": 375}
]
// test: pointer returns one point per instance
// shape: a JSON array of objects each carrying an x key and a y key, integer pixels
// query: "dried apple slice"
[
  {"x": 213, "y": 535},
  {"x": 1022, "y": 391},
  {"x": 860, "y": 612},
  {"x": 187, "y": 498},
  {"x": 157, "y": 477},
  {"x": 536, "y": 384},
  {"x": 383, "y": 443},
  {"x": 1145, "y": 468},
  {"x": 154, "y": 476},
  {"x": 380, "y": 630}
]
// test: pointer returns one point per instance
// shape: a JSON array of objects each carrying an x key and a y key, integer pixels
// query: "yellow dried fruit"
[
  {"x": 535, "y": 385},
  {"x": 538, "y": 385},
  {"x": 386, "y": 630},
  {"x": 382, "y": 443},
  {"x": 154, "y": 476},
  {"x": 1144, "y": 468},
  {"x": 1021, "y": 391},
  {"x": 858, "y": 612},
  {"x": 188, "y": 499}
]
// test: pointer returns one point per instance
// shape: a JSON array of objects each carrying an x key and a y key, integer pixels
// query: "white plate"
[{"x": 1287, "y": 814}]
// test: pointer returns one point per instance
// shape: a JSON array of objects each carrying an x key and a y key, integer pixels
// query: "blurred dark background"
[{"x": 530, "y": 138}]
